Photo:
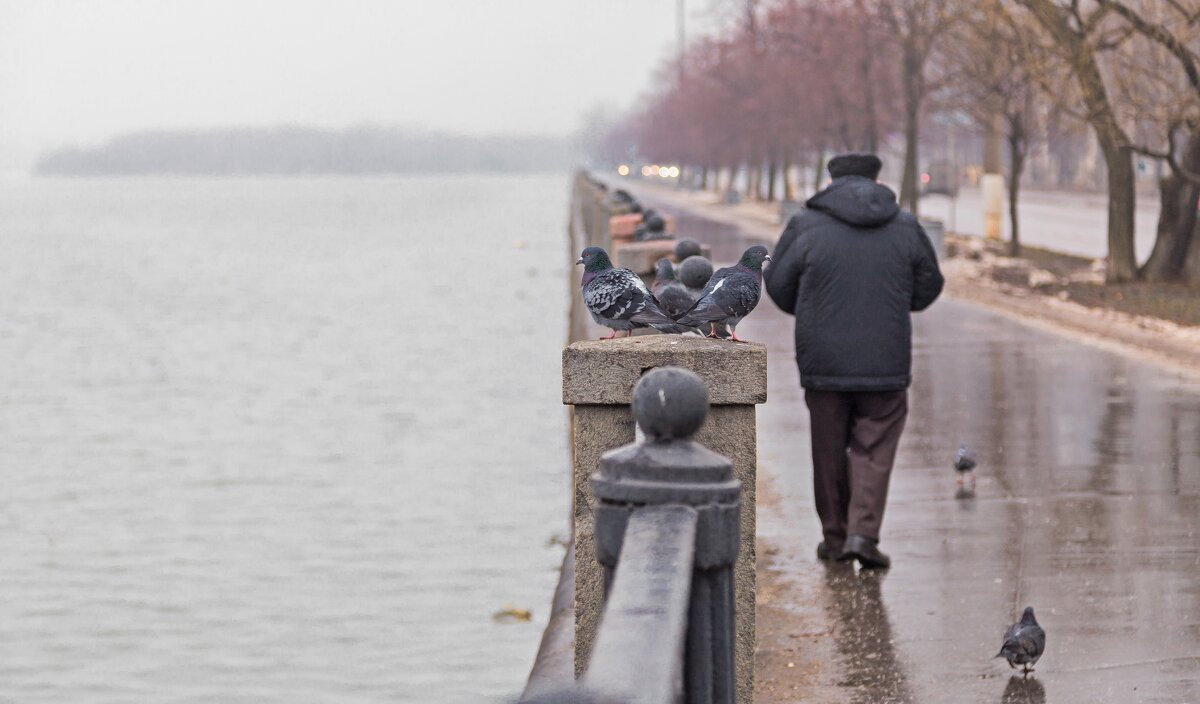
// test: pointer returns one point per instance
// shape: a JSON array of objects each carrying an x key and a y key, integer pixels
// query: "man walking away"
[{"x": 851, "y": 268}]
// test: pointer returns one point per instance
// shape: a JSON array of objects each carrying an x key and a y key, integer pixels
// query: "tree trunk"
[
  {"x": 1176, "y": 222},
  {"x": 819, "y": 170},
  {"x": 1122, "y": 260},
  {"x": 1191, "y": 262},
  {"x": 871, "y": 138},
  {"x": 786, "y": 193},
  {"x": 914, "y": 91},
  {"x": 1176, "y": 219},
  {"x": 1016, "y": 154},
  {"x": 772, "y": 173}
]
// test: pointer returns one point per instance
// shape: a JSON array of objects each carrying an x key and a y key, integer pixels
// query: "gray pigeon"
[
  {"x": 964, "y": 464},
  {"x": 618, "y": 299},
  {"x": 730, "y": 294},
  {"x": 673, "y": 296},
  {"x": 685, "y": 248},
  {"x": 1024, "y": 642},
  {"x": 653, "y": 227}
]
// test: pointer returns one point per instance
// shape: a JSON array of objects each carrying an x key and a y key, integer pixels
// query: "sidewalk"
[{"x": 1087, "y": 508}]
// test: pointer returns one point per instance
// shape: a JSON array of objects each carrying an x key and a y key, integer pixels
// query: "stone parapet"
[{"x": 598, "y": 381}]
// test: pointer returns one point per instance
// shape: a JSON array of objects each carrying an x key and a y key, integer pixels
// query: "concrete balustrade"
[{"x": 598, "y": 381}]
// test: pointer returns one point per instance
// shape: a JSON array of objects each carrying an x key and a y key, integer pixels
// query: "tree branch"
[{"x": 1159, "y": 34}]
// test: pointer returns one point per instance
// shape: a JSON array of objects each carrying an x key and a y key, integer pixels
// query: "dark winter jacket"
[{"x": 851, "y": 268}]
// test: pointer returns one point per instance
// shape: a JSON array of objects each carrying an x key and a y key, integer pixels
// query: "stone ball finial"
[
  {"x": 670, "y": 402},
  {"x": 685, "y": 248},
  {"x": 695, "y": 271}
]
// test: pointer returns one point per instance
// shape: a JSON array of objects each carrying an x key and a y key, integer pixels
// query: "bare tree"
[
  {"x": 1158, "y": 74},
  {"x": 915, "y": 26},
  {"x": 1075, "y": 32},
  {"x": 991, "y": 76}
]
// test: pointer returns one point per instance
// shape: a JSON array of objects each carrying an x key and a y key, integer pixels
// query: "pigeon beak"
[
  {"x": 767, "y": 258},
  {"x": 579, "y": 260}
]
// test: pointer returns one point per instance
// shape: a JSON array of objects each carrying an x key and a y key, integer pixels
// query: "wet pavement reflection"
[{"x": 1087, "y": 507}]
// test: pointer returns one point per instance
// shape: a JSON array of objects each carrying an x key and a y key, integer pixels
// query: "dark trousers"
[{"x": 854, "y": 440}]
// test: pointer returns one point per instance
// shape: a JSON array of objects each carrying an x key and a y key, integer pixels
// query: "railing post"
[
  {"x": 670, "y": 404},
  {"x": 598, "y": 382}
]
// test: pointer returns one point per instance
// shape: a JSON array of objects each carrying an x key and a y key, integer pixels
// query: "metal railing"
[{"x": 667, "y": 538}]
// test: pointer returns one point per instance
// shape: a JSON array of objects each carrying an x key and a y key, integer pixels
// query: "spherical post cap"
[
  {"x": 670, "y": 402},
  {"x": 695, "y": 271},
  {"x": 685, "y": 248}
]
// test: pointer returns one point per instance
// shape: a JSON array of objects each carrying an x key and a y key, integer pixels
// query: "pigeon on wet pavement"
[
  {"x": 618, "y": 299},
  {"x": 964, "y": 464},
  {"x": 730, "y": 294},
  {"x": 672, "y": 295},
  {"x": 1024, "y": 642}
]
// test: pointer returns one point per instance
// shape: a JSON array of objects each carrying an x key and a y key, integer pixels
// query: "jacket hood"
[{"x": 857, "y": 201}]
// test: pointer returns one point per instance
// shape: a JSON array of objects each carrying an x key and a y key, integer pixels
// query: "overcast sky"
[{"x": 79, "y": 71}]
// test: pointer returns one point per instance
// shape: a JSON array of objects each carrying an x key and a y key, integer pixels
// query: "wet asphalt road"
[{"x": 1087, "y": 507}]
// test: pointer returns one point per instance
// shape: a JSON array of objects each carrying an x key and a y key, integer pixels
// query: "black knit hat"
[{"x": 867, "y": 165}]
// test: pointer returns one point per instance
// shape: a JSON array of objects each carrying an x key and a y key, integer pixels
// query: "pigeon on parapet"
[
  {"x": 653, "y": 227},
  {"x": 618, "y": 299},
  {"x": 687, "y": 248},
  {"x": 964, "y": 463},
  {"x": 1024, "y": 642},
  {"x": 673, "y": 296},
  {"x": 730, "y": 294}
]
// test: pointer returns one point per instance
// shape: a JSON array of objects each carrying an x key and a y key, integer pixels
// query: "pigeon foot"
[{"x": 610, "y": 337}]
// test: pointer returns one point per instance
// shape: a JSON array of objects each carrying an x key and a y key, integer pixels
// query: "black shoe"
[
  {"x": 828, "y": 550},
  {"x": 863, "y": 549}
]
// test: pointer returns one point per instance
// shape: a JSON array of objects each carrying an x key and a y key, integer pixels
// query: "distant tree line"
[
  {"x": 789, "y": 81},
  {"x": 302, "y": 150}
]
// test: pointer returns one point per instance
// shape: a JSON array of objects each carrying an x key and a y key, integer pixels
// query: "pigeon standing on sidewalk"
[
  {"x": 673, "y": 296},
  {"x": 964, "y": 463},
  {"x": 618, "y": 299},
  {"x": 1024, "y": 642},
  {"x": 730, "y": 294}
]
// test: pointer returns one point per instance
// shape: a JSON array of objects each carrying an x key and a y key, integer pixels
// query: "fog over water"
[
  {"x": 290, "y": 439},
  {"x": 279, "y": 440},
  {"x": 76, "y": 73}
]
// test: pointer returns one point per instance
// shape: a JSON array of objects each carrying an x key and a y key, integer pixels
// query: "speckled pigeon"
[
  {"x": 1024, "y": 642},
  {"x": 618, "y": 299},
  {"x": 673, "y": 296},
  {"x": 964, "y": 464},
  {"x": 730, "y": 294}
]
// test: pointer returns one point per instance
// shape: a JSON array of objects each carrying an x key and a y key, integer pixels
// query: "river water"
[{"x": 279, "y": 440}]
